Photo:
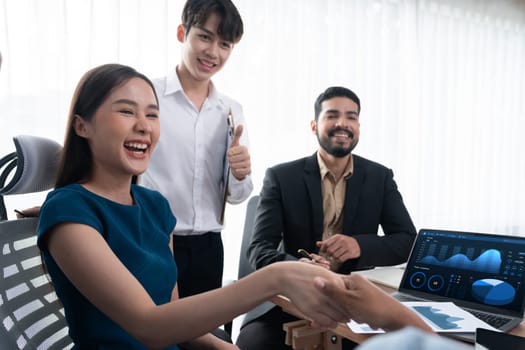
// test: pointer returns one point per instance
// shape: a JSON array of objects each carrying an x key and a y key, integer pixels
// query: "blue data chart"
[
  {"x": 489, "y": 261},
  {"x": 493, "y": 292},
  {"x": 441, "y": 320}
]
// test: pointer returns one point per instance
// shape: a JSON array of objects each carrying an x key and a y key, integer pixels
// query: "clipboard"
[{"x": 226, "y": 175}]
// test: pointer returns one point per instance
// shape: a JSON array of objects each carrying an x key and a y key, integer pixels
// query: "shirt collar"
[
  {"x": 173, "y": 86},
  {"x": 349, "y": 170}
]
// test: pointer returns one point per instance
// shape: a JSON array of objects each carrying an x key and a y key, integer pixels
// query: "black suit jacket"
[{"x": 290, "y": 211}]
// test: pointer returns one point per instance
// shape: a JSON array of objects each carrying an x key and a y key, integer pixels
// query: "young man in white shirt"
[{"x": 200, "y": 155}]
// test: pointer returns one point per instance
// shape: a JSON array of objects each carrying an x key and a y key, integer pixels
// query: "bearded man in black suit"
[{"x": 330, "y": 204}]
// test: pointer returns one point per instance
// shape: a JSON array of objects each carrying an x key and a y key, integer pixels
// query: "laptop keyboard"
[{"x": 496, "y": 321}]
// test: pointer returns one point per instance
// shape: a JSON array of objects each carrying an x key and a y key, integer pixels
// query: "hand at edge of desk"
[{"x": 364, "y": 302}]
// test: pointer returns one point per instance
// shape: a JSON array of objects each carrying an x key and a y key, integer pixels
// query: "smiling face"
[
  {"x": 204, "y": 52},
  {"x": 123, "y": 131},
  {"x": 337, "y": 127}
]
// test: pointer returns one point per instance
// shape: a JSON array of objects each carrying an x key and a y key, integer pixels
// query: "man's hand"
[
  {"x": 28, "y": 213},
  {"x": 238, "y": 156},
  {"x": 340, "y": 247},
  {"x": 364, "y": 302},
  {"x": 317, "y": 260}
]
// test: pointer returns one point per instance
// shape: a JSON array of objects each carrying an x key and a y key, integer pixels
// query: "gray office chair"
[
  {"x": 245, "y": 267},
  {"x": 34, "y": 164},
  {"x": 31, "y": 315}
]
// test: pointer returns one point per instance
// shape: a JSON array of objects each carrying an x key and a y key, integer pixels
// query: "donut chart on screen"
[{"x": 493, "y": 292}]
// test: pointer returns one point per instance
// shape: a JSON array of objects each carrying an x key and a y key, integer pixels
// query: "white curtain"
[{"x": 442, "y": 85}]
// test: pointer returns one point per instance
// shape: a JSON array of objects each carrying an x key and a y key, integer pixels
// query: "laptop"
[{"x": 481, "y": 273}]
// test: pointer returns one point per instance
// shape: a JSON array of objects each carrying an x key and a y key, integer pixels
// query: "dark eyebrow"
[
  {"x": 212, "y": 34},
  {"x": 209, "y": 32},
  {"x": 133, "y": 103},
  {"x": 337, "y": 111}
]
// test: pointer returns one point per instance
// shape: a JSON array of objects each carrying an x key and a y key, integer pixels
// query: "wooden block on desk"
[
  {"x": 289, "y": 327},
  {"x": 307, "y": 338},
  {"x": 332, "y": 341}
]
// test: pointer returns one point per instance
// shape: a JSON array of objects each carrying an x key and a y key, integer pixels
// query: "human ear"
[
  {"x": 181, "y": 33},
  {"x": 313, "y": 126},
  {"x": 79, "y": 125}
]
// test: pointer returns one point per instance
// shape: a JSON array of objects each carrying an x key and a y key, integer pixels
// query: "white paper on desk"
[{"x": 443, "y": 317}]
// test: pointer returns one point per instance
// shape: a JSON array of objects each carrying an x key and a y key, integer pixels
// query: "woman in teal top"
[
  {"x": 106, "y": 242},
  {"x": 133, "y": 232}
]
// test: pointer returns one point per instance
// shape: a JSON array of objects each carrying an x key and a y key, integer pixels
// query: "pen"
[
  {"x": 22, "y": 215},
  {"x": 231, "y": 126},
  {"x": 305, "y": 254}
]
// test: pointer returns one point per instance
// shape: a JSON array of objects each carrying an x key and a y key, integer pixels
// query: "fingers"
[
  {"x": 238, "y": 156},
  {"x": 28, "y": 213},
  {"x": 240, "y": 162},
  {"x": 321, "y": 261},
  {"x": 340, "y": 247},
  {"x": 237, "y": 133},
  {"x": 335, "y": 290},
  {"x": 313, "y": 300}
]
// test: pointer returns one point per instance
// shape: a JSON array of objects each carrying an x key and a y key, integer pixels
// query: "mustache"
[{"x": 332, "y": 132}]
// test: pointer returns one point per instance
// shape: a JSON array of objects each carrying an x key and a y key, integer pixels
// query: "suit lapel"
[
  {"x": 313, "y": 184},
  {"x": 353, "y": 189}
]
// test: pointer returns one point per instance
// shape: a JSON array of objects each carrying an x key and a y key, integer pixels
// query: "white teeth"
[
  {"x": 141, "y": 146},
  {"x": 209, "y": 64}
]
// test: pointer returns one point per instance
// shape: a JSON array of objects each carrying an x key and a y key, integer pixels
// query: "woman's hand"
[
  {"x": 364, "y": 302},
  {"x": 304, "y": 285}
]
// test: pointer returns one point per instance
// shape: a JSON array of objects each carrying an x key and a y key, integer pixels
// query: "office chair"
[
  {"x": 245, "y": 267},
  {"x": 34, "y": 164},
  {"x": 31, "y": 315}
]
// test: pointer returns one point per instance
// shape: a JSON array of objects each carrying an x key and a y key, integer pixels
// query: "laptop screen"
[{"x": 471, "y": 269}]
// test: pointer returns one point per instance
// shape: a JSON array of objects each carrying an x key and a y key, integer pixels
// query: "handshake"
[{"x": 326, "y": 298}]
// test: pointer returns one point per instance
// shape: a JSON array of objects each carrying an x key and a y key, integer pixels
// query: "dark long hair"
[{"x": 76, "y": 161}]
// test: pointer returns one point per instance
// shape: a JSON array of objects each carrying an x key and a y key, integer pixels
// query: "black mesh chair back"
[{"x": 31, "y": 315}]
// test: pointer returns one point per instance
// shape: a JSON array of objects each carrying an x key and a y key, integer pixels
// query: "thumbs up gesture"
[{"x": 238, "y": 156}]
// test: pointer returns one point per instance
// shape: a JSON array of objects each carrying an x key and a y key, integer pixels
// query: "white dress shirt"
[{"x": 189, "y": 163}]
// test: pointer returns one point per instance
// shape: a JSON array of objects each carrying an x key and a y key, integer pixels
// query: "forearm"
[
  {"x": 209, "y": 342},
  {"x": 188, "y": 318}
]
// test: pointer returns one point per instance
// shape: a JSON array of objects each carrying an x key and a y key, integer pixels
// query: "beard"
[{"x": 333, "y": 148}]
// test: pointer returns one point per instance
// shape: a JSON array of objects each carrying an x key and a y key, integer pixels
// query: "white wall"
[{"x": 442, "y": 85}]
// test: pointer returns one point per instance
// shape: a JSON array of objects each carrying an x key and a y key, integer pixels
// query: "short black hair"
[
  {"x": 196, "y": 12},
  {"x": 335, "y": 91}
]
